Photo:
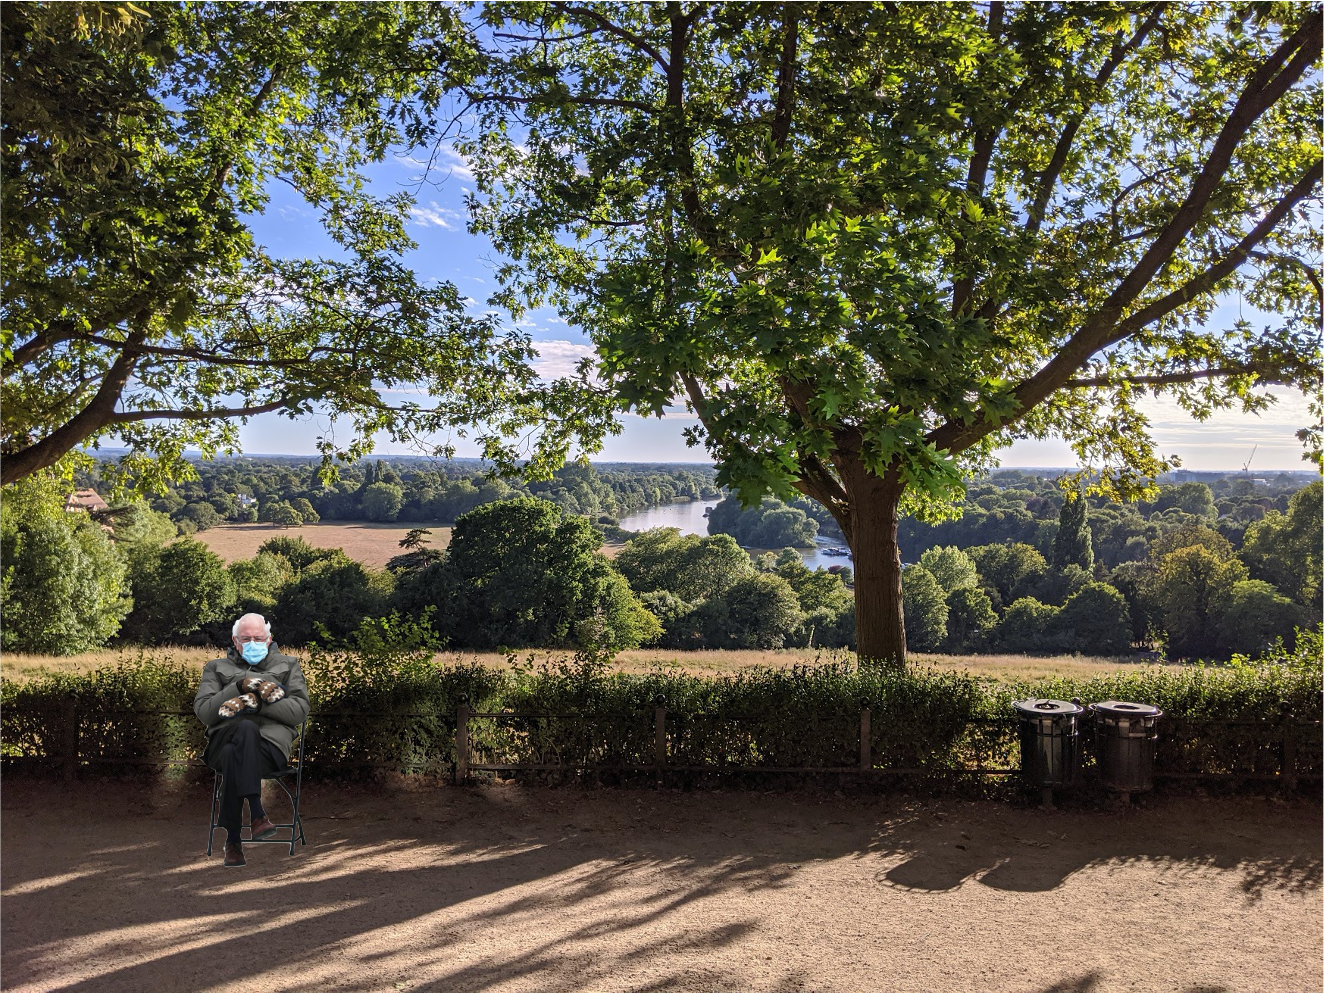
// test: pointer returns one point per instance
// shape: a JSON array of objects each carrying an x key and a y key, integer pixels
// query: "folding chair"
[{"x": 296, "y": 826}]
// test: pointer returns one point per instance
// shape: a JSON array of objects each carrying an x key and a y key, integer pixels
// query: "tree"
[
  {"x": 952, "y": 567},
  {"x": 1027, "y": 626},
  {"x": 177, "y": 591},
  {"x": 296, "y": 551},
  {"x": 63, "y": 588},
  {"x": 1253, "y": 616},
  {"x": 302, "y": 507},
  {"x": 689, "y": 566},
  {"x": 759, "y": 611},
  {"x": 280, "y": 513},
  {"x": 1072, "y": 544},
  {"x": 926, "y": 609},
  {"x": 1008, "y": 569},
  {"x": 1095, "y": 620},
  {"x": 137, "y": 142},
  {"x": 382, "y": 501},
  {"x": 335, "y": 592},
  {"x": 524, "y": 573},
  {"x": 870, "y": 242},
  {"x": 1285, "y": 549},
  {"x": 258, "y": 581},
  {"x": 971, "y": 619},
  {"x": 1188, "y": 585}
]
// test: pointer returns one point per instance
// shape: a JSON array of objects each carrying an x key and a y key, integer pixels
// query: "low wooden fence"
[{"x": 656, "y": 742}]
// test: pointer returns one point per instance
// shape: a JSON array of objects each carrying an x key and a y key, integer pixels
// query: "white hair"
[{"x": 234, "y": 631}]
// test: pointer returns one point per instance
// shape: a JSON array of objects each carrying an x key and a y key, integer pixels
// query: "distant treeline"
[
  {"x": 1202, "y": 572},
  {"x": 290, "y": 492}
]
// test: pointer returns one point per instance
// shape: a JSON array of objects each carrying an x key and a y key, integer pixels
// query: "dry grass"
[
  {"x": 372, "y": 544},
  {"x": 711, "y": 662}
]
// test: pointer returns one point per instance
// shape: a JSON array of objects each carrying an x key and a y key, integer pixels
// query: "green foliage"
[
  {"x": 689, "y": 566},
  {"x": 759, "y": 611},
  {"x": 1285, "y": 549},
  {"x": 1095, "y": 620},
  {"x": 971, "y": 620},
  {"x": 1027, "y": 626},
  {"x": 297, "y": 552},
  {"x": 63, "y": 587},
  {"x": 1187, "y": 587},
  {"x": 1252, "y": 617},
  {"x": 1072, "y": 543},
  {"x": 331, "y": 597},
  {"x": 178, "y": 590},
  {"x": 898, "y": 235},
  {"x": 381, "y": 701},
  {"x": 926, "y": 609},
  {"x": 258, "y": 581},
  {"x": 769, "y": 524},
  {"x": 952, "y": 567},
  {"x": 382, "y": 501},
  {"x": 1008, "y": 569},
  {"x": 135, "y": 295},
  {"x": 522, "y": 572}
]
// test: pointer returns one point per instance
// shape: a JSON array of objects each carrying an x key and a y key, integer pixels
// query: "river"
[{"x": 689, "y": 518}]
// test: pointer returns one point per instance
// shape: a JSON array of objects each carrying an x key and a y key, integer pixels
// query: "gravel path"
[{"x": 505, "y": 888}]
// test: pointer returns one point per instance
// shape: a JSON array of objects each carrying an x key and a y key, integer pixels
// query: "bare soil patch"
[
  {"x": 372, "y": 544},
  {"x": 508, "y": 888}
]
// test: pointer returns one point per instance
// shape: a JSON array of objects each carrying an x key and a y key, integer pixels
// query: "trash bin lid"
[
  {"x": 1121, "y": 708},
  {"x": 1046, "y": 708}
]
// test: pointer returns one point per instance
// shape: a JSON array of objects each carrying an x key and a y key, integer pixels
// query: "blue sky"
[{"x": 446, "y": 251}]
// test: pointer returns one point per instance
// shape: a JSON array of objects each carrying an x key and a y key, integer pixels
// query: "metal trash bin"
[
  {"x": 1050, "y": 750},
  {"x": 1125, "y": 735}
]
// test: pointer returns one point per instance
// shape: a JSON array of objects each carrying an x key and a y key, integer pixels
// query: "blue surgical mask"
[{"x": 254, "y": 652}]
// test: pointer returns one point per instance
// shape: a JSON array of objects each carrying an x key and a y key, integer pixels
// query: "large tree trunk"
[{"x": 880, "y": 630}]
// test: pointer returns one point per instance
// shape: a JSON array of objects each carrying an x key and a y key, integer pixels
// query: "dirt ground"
[{"x": 509, "y": 888}]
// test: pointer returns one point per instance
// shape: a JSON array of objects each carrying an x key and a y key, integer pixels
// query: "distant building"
[
  {"x": 88, "y": 500},
  {"x": 245, "y": 500}
]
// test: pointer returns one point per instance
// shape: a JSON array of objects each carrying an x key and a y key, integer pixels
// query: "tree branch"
[
  {"x": 615, "y": 29},
  {"x": 786, "y": 84},
  {"x": 1063, "y": 148},
  {"x": 1267, "y": 373}
]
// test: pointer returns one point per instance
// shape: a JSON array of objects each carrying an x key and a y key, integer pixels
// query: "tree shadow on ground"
[
  {"x": 106, "y": 887},
  {"x": 1030, "y": 850}
]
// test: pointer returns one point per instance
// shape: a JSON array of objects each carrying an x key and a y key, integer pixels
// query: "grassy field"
[
  {"x": 372, "y": 544},
  {"x": 709, "y": 662}
]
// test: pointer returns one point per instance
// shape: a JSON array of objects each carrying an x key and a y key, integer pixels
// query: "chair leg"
[{"x": 216, "y": 793}]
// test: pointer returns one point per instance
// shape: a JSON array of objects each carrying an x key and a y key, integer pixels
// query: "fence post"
[
  {"x": 866, "y": 753},
  {"x": 70, "y": 738},
  {"x": 660, "y": 731},
  {"x": 462, "y": 713},
  {"x": 1288, "y": 756}
]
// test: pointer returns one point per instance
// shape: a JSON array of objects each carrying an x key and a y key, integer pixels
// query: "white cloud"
[
  {"x": 435, "y": 215},
  {"x": 557, "y": 320},
  {"x": 559, "y": 358},
  {"x": 526, "y": 323}
]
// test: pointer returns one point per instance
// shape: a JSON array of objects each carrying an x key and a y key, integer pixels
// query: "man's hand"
[
  {"x": 237, "y": 705},
  {"x": 270, "y": 692},
  {"x": 250, "y": 684}
]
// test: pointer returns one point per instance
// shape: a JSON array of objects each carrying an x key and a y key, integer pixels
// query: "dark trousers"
[{"x": 242, "y": 756}]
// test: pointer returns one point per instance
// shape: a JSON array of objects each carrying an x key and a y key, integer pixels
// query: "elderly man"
[{"x": 251, "y": 701}]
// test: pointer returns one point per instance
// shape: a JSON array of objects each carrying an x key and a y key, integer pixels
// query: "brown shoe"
[
  {"x": 262, "y": 828},
  {"x": 234, "y": 855}
]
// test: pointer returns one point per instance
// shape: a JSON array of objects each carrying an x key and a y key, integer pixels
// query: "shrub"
[{"x": 177, "y": 591}]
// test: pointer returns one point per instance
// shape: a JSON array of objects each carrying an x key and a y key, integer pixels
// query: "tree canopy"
[
  {"x": 870, "y": 243},
  {"x": 138, "y": 144}
]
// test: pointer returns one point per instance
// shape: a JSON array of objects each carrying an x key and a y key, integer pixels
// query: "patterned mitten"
[
  {"x": 249, "y": 684},
  {"x": 271, "y": 692},
  {"x": 230, "y": 708}
]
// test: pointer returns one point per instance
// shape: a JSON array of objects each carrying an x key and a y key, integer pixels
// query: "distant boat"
[{"x": 837, "y": 551}]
